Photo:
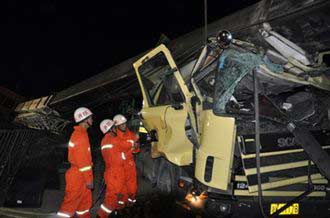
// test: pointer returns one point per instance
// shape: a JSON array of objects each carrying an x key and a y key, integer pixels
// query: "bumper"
[{"x": 250, "y": 208}]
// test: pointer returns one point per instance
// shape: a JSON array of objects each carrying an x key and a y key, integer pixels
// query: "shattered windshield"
[
  {"x": 233, "y": 66},
  {"x": 280, "y": 99}
]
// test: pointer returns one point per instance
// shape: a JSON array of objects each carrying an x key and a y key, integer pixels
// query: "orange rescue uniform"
[
  {"x": 114, "y": 176},
  {"x": 127, "y": 141},
  {"x": 78, "y": 198}
]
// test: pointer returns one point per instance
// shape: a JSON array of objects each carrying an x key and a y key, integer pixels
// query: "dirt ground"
[{"x": 150, "y": 203}]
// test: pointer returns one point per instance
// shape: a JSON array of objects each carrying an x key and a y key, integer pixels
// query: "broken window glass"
[
  {"x": 159, "y": 82},
  {"x": 152, "y": 71},
  {"x": 233, "y": 66}
]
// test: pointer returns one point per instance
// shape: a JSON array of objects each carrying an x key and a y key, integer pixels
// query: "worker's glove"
[
  {"x": 136, "y": 148},
  {"x": 90, "y": 186}
]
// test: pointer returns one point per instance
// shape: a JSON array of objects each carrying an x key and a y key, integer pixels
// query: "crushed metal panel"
[
  {"x": 25, "y": 105},
  {"x": 34, "y": 104},
  {"x": 36, "y": 114}
]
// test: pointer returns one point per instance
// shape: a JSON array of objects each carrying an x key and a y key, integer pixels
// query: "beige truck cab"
[{"x": 169, "y": 112}]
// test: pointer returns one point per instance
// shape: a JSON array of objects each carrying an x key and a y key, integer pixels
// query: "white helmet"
[
  {"x": 106, "y": 125},
  {"x": 119, "y": 119},
  {"x": 81, "y": 114}
]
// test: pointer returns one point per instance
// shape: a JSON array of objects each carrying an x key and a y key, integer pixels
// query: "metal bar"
[
  {"x": 205, "y": 22},
  {"x": 257, "y": 138}
]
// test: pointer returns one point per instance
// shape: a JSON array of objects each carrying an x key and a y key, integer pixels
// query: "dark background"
[{"x": 48, "y": 45}]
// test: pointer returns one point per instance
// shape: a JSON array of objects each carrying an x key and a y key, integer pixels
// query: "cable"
[
  {"x": 205, "y": 22},
  {"x": 257, "y": 139}
]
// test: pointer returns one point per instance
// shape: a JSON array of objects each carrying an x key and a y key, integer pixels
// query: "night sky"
[{"x": 49, "y": 45}]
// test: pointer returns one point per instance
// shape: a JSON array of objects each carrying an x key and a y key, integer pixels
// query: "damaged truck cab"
[
  {"x": 201, "y": 118},
  {"x": 184, "y": 133}
]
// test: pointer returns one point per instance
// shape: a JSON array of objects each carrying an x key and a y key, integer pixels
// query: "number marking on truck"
[{"x": 292, "y": 210}]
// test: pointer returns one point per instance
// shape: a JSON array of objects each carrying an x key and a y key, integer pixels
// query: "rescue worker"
[
  {"x": 129, "y": 145},
  {"x": 79, "y": 178},
  {"x": 114, "y": 176}
]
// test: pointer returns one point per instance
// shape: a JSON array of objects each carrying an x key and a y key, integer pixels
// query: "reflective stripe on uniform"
[
  {"x": 106, "y": 146},
  {"x": 71, "y": 144},
  {"x": 131, "y": 141},
  {"x": 120, "y": 202},
  {"x": 123, "y": 156},
  {"x": 105, "y": 209},
  {"x": 83, "y": 169},
  {"x": 63, "y": 214},
  {"x": 82, "y": 212}
]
